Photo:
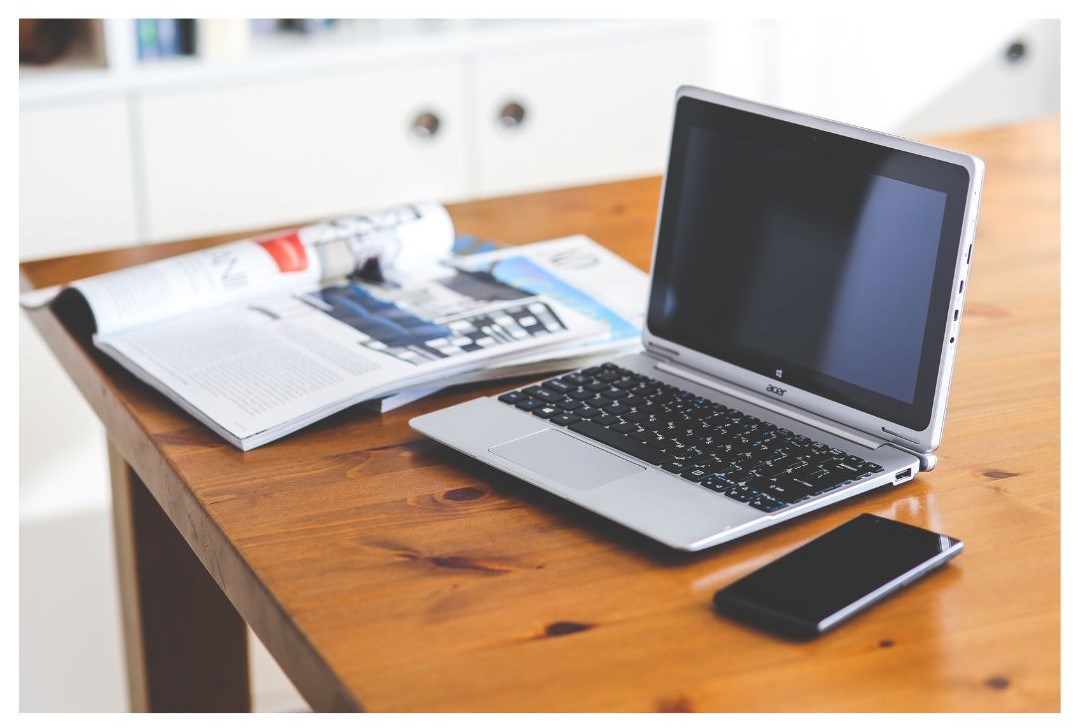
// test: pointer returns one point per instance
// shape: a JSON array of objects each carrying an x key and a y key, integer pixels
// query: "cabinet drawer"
[
  {"x": 76, "y": 189},
  {"x": 283, "y": 150},
  {"x": 587, "y": 114}
]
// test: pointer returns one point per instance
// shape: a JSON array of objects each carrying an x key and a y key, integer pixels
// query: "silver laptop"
[{"x": 807, "y": 284}]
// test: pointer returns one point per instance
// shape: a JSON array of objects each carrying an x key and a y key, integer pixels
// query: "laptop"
[{"x": 807, "y": 285}]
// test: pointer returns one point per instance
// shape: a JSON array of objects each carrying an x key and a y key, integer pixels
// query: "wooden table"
[{"x": 385, "y": 572}]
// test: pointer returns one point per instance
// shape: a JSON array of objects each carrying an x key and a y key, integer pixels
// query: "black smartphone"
[{"x": 838, "y": 574}]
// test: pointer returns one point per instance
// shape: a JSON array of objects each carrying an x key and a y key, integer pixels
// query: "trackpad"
[{"x": 565, "y": 459}]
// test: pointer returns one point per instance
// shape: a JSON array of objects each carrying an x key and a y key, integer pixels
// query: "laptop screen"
[{"x": 810, "y": 257}]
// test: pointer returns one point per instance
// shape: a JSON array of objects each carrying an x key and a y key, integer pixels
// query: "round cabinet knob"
[
  {"x": 1016, "y": 51},
  {"x": 512, "y": 115},
  {"x": 426, "y": 125}
]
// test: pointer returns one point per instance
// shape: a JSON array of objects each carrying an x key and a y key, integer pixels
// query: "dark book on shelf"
[{"x": 185, "y": 33}]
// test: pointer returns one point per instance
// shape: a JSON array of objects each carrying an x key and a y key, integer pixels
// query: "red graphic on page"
[{"x": 287, "y": 251}]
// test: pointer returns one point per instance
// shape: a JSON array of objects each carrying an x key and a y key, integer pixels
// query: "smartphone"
[{"x": 837, "y": 575}]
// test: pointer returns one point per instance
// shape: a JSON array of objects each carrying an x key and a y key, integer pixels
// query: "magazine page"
[
  {"x": 389, "y": 244},
  {"x": 577, "y": 272},
  {"x": 209, "y": 278},
  {"x": 259, "y": 366},
  {"x": 580, "y": 274}
]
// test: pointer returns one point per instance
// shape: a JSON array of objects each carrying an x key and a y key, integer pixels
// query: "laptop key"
[
  {"x": 787, "y": 490},
  {"x": 548, "y": 396},
  {"x": 764, "y": 503},
  {"x": 740, "y": 494},
  {"x": 565, "y": 419},
  {"x": 620, "y": 442},
  {"x": 605, "y": 420},
  {"x": 694, "y": 474},
  {"x": 583, "y": 411},
  {"x": 716, "y": 483},
  {"x": 512, "y": 397},
  {"x": 546, "y": 411},
  {"x": 528, "y": 404},
  {"x": 855, "y": 466},
  {"x": 776, "y": 466},
  {"x": 824, "y": 480}
]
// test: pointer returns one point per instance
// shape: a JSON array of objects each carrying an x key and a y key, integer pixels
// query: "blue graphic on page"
[
  {"x": 472, "y": 245},
  {"x": 521, "y": 272}
]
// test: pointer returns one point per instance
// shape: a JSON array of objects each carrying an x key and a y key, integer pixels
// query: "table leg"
[{"x": 185, "y": 645}]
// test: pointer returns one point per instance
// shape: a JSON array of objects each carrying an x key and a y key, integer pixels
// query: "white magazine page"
[
  {"x": 269, "y": 362},
  {"x": 254, "y": 367},
  {"x": 133, "y": 297}
]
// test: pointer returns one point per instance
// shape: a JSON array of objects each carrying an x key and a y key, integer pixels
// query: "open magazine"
[{"x": 259, "y": 338}]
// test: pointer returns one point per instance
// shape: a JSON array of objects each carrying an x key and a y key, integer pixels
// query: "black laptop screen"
[{"x": 819, "y": 260}]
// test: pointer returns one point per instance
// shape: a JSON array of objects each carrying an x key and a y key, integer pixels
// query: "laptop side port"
[{"x": 902, "y": 476}]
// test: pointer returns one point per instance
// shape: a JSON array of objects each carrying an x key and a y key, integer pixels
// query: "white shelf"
[{"x": 284, "y": 55}]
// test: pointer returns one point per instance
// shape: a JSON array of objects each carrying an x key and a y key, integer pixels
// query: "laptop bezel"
[{"x": 921, "y": 441}]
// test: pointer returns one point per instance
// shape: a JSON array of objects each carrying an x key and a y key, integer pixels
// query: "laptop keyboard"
[{"x": 717, "y": 447}]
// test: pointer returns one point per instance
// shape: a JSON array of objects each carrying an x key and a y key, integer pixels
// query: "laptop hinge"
[
  {"x": 800, "y": 415},
  {"x": 661, "y": 352}
]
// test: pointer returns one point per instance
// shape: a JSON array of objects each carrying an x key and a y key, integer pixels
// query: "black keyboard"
[{"x": 720, "y": 448}]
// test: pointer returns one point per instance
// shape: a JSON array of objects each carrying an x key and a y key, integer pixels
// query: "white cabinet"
[
  {"x": 1017, "y": 77},
  {"x": 917, "y": 78},
  {"x": 583, "y": 113},
  {"x": 76, "y": 179},
  {"x": 258, "y": 154},
  {"x": 231, "y": 155}
]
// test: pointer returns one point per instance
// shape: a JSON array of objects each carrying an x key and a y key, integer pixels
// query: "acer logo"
[{"x": 775, "y": 390}]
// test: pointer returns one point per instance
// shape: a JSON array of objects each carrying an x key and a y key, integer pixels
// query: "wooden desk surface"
[{"x": 386, "y": 572}]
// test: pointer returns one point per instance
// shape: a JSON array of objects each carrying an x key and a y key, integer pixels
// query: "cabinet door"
[
  {"x": 570, "y": 114},
  {"x": 76, "y": 189},
  {"x": 288, "y": 149},
  {"x": 909, "y": 76}
]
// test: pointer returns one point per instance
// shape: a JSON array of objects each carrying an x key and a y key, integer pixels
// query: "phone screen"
[{"x": 819, "y": 584}]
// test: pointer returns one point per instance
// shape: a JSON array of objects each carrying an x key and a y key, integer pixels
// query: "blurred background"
[{"x": 138, "y": 131}]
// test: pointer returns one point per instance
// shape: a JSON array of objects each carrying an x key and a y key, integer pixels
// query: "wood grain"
[
  {"x": 186, "y": 646},
  {"x": 386, "y": 572}
]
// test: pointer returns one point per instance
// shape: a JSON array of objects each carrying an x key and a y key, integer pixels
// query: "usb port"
[{"x": 903, "y": 475}]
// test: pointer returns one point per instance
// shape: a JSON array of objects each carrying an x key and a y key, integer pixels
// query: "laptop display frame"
[{"x": 916, "y": 439}]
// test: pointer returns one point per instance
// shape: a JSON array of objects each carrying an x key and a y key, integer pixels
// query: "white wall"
[{"x": 902, "y": 78}]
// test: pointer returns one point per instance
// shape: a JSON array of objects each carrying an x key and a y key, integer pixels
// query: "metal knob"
[
  {"x": 512, "y": 115},
  {"x": 426, "y": 125},
  {"x": 1016, "y": 51}
]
